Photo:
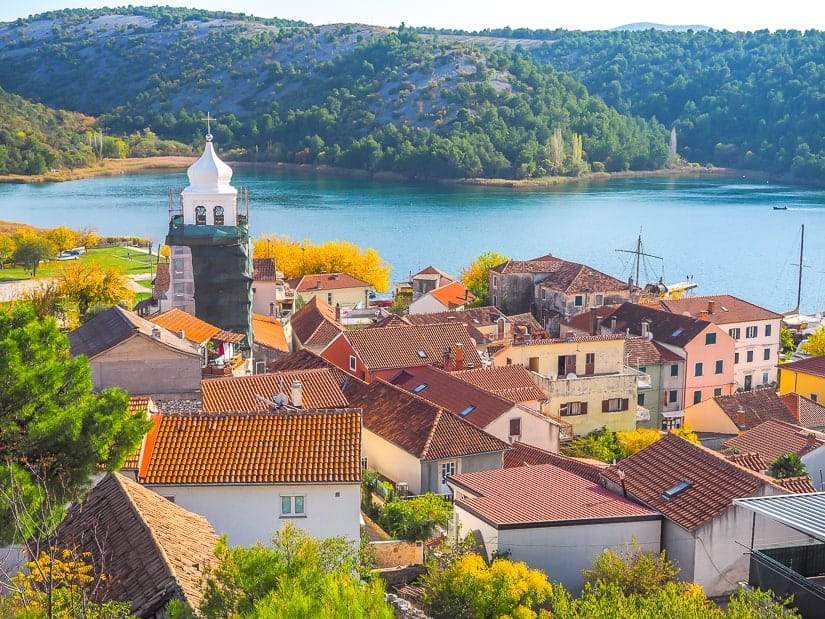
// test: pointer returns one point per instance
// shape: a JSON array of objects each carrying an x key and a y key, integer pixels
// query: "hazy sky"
[{"x": 479, "y": 14}]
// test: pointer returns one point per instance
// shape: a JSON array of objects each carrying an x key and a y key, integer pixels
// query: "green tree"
[
  {"x": 296, "y": 576},
  {"x": 786, "y": 338},
  {"x": 55, "y": 431},
  {"x": 476, "y": 277},
  {"x": 31, "y": 251},
  {"x": 416, "y": 518},
  {"x": 7, "y": 247},
  {"x": 787, "y": 465}
]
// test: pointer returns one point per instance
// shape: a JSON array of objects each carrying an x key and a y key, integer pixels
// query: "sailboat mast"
[
  {"x": 799, "y": 281},
  {"x": 638, "y": 259}
]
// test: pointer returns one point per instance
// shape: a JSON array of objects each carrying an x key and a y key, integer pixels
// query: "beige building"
[{"x": 336, "y": 289}]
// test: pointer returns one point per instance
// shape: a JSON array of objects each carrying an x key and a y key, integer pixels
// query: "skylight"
[
  {"x": 678, "y": 332},
  {"x": 676, "y": 489},
  {"x": 420, "y": 388},
  {"x": 724, "y": 309},
  {"x": 422, "y": 354},
  {"x": 467, "y": 410}
]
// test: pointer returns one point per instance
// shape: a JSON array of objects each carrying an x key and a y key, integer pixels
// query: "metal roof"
[{"x": 802, "y": 512}]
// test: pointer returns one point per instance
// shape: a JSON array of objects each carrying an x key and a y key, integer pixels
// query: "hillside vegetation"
[{"x": 430, "y": 104}]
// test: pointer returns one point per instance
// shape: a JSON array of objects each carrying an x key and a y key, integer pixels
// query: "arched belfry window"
[
  {"x": 218, "y": 215},
  {"x": 200, "y": 215}
]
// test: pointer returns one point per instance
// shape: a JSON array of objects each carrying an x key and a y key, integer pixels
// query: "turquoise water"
[{"x": 724, "y": 233}]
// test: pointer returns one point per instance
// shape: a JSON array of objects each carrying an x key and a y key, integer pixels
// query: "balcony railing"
[{"x": 223, "y": 369}]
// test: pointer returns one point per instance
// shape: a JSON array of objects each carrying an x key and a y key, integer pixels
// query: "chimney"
[
  {"x": 621, "y": 479},
  {"x": 337, "y": 312},
  {"x": 593, "y": 321},
  {"x": 703, "y": 315},
  {"x": 645, "y": 327},
  {"x": 181, "y": 334},
  {"x": 711, "y": 306},
  {"x": 296, "y": 393},
  {"x": 613, "y": 324},
  {"x": 459, "y": 357},
  {"x": 740, "y": 418},
  {"x": 156, "y": 332},
  {"x": 811, "y": 442}
]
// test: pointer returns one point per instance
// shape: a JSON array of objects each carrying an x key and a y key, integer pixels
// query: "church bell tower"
[{"x": 211, "y": 255}]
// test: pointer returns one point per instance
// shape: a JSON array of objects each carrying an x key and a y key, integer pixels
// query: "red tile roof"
[
  {"x": 269, "y": 332},
  {"x": 507, "y": 498},
  {"x": 453, "y": 295},
  {"x": 431, "y": 270},
  {"x": 473, "y": 316},
  {"x": 511, "y": 382},
  {"x": 263, "y": 269},
  {"x": 752, "y": 461},
  {"x": 572, "y": 278},
  {"x": 814, "y": 366},
  {"x": 417, "y": 426},
  {"x": 797, "y": 485},
  {"x": 150, "y": 549},
  {"x": 326, "y": 281},
  {"x": 319, "y": 389},
  {"x": 521, "y": 454},
  {"x": 713, "y": 481},
  {"x": 194, "y": 329},
  {"x": 642, "y": 351},
  {"x": 720, "y": 309},
  {"x": 162, "y": 280},
  {"x": 545, "y": 264},
  {"x": 399, "y": 347},
  {"x": 773, "y": 438},
  {"x": 253, "y": 448},
  {"x": 808, "y": 413},
  {"x": 314, "y": 324},
  {"x": 673, "y": 329},
  {"x": 757, "y": 405},
  {"x": 455, "y": 395}
]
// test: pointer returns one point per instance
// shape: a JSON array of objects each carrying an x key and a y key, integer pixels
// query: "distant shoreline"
[{"x": 116, "y": 167}]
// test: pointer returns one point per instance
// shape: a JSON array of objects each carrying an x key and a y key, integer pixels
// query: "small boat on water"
[{"x": 780, "y": 207}]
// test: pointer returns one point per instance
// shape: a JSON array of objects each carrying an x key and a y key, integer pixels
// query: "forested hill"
[{"x": 431, "y": 104}]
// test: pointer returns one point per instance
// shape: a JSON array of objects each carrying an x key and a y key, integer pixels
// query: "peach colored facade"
[{"x": 709, "y": 367}]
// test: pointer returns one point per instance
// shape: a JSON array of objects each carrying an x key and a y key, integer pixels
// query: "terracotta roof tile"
[
  {"x": 673, "y": 329},
  {"x": 269, "y": 332},
  {"x": 545, "y": 264},
  {"x": 713, "y": 481},
  {"x": 752, "y": 461},
  {"x": 253, "y": 448},
  {"x": 263, "y": 270},
  {"x": 642, "y": 351},
  {"x": 809, "y": 414},
  {"x": 773, "y": 438},
  {"x": 522, "y": 454},
  {"x": 455, "y": 395},
  {"x": 326, "y": 281},
  {"x": 719, "y": 309},
  {"x": 797, "y": 485},
  {"x": 399, "y": 347},
  {"x": 453, "y": 295},
  {"x": 431, "y": 270},
  {"x": 392, "y": 320},
  {"x": 417, "y": 426},
  {"x": 194, "y": 329},
  {"x": 319, "y": 389},
  {"x": 162, "y": 281},
  {"x": 758, "y": 405},
  {"x": 314, "y": 324},
  {"x": 511, "y": 382},
  {"x": 572, "y": 277},
  {"x": 149, "y": 548},
  {"x": 508, "y": 497},
  {"x": 815, "y": 366},
  {"x": 476, "y": 316}
]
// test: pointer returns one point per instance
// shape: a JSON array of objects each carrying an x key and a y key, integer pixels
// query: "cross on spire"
[{"x": 209, "y": 119}]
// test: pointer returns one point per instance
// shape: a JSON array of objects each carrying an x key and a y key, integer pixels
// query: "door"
[
  {"x": 447, "y": 469},
  {"x": 748, "y": 382}
]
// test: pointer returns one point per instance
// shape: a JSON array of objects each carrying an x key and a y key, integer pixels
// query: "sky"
[{"x": 479, "y": 14}]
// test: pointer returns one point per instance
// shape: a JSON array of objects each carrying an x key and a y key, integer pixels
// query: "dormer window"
[
  {"x": 218, "y": 212},
  {"x": 200, "y": 215}
]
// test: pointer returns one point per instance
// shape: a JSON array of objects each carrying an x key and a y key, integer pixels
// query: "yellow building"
[
  {"x": 586, "y": 381},
  {"x": 805, "y": 377}
]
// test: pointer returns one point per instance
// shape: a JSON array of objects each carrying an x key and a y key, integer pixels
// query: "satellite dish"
[
  {"x": 280, "y": 399},
  {"x": 571, "y": 375}
]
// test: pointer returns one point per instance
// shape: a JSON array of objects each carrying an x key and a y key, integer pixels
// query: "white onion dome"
[{"x": 209, "y": 174}]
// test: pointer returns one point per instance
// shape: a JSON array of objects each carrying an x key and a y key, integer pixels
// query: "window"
[
  {"x": 814, "y": 397},
  {"x": 719, "y": 366},
  {"x": 599, "y": 300},
  {"x": 735, "y": 358},
  {"x": 735, "y": 333},
  {"x": 515, "y": 426},
  {"x": 613, "y": 405},
  {"x": 767, "y": 330},
  {"x": 697, "y": 369},
  {"x": 329, "y": 298},
  {"x": 640, "y": 399},
  {"x": 764, "y": 378},
  {"x": 717, "y": 392},
  {"x": 697, "y": 396},
  {"x": 200, "y": 215},
  {"x": 419, "y": 388},
  {"x": 751, "y": 331},
  {"x": 578, "y": 301},
  {"x": 447, "y": 469},
  {"x": 674, "y": 369},
  {"x": 466, "y": 410},
  {"x": 767, "y": 354},
  {"x": 671, "y": 423},
  {"x": 352, "y": 363},
  {"x": 573, "y": 408},
  {"x": 179, "y": 288},
  {"x": 710, "y": 338},
  {"x": 676, "y": 489},
  {"x": 749, "y": 356},
  {"x": 495, "y": 282},
  {"x": 218, "y": 214},
  {"x": 672, "y": 396},
  {"x": 642, "y": 369},
  {"x": 292, "y": 506},
  {"x": 177, "y": 266}
]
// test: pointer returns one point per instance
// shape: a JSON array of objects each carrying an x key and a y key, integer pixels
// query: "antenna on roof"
[{"x": 279, "y": 400}]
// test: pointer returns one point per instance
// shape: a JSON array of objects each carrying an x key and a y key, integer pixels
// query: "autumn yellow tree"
[
  {"x": 476, "y": 277},
  {"x": 7, "y": 247},
  {"x": 62, "y": 238},
  {"x": 294, "y": 258},
  {"x": 88, "y": 284},
  {"x": 815, "y": 344},
  {"x": 87, "y": 237}
]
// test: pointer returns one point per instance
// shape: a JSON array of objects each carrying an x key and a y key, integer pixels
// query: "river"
[{"x": 723, "y": 232}]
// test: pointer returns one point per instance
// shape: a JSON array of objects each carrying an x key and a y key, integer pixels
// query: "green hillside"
[{"x": 512, "y": 104}]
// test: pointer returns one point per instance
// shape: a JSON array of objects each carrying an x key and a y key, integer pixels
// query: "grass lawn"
[{"x": 127, "y": 261}]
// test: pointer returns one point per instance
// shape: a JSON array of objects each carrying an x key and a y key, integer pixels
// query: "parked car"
[{"x": 71, "y": 254}]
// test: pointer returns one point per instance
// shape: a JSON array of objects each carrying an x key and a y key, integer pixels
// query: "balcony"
[{"x": 220, "y": 368}]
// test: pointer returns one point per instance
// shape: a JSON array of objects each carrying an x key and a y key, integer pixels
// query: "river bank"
[{"x": 114, "y": 167}]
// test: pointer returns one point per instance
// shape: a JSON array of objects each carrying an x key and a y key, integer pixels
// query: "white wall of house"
[
  {"x": 427, "y": 304},
  {"x": 536, "y": 429},
  {"x": 252, "y": 513},
  {"x": 347, "y": 297},
  {"x": 390, "y": 460},
  {"x": 263, "y": 298},
  {"x": 760, "y": 369},
  {"x": 815, "y": 462}
]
